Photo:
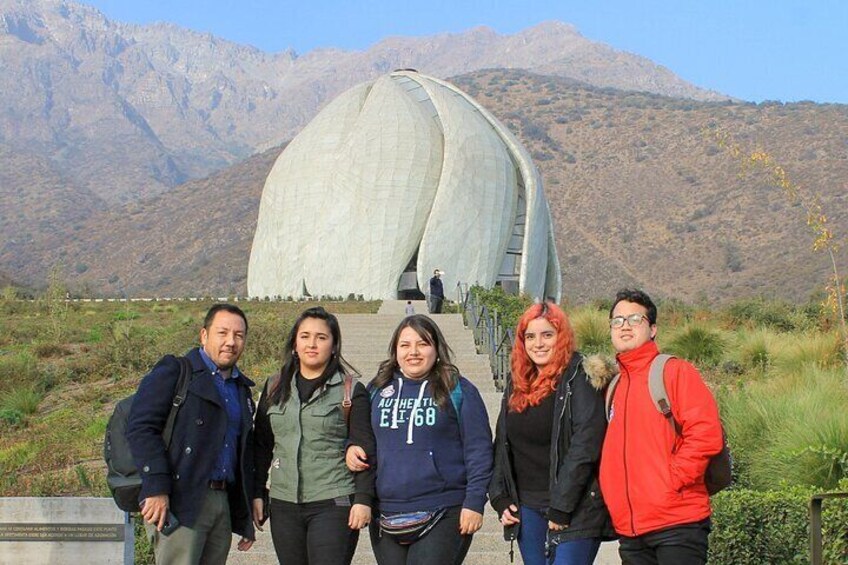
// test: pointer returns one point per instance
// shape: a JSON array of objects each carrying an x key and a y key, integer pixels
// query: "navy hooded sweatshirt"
[{"x": 429, "y": 457}]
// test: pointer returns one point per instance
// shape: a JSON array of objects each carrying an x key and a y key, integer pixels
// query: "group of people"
[{"x": 411, "y": 456}]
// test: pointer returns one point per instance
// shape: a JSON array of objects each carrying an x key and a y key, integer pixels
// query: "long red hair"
[{"x": 529, "y": 384}]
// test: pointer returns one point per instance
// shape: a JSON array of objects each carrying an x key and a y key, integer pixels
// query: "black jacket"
[
  {"x": 576, "y": 438},
  {"x": 183, "y": 471}
]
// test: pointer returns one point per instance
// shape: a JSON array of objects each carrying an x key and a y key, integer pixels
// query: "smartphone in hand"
[{"x": 171, "y": 524}]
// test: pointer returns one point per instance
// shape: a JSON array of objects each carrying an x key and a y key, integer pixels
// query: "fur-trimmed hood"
[{"x": 600, "y": 369}]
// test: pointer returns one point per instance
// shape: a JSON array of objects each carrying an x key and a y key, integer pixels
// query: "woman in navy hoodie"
[{"x": 434, "y": 451}]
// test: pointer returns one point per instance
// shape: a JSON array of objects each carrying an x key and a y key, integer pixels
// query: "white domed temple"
[{"x": 393, "y": 179}]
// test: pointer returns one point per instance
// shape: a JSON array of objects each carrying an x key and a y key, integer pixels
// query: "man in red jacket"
[{"x": 652, "y": 479}]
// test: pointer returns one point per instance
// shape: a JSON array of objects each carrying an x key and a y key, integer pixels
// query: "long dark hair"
[
  {"x": 442, "y": 377},
  {"x": 281, "y": 389}
]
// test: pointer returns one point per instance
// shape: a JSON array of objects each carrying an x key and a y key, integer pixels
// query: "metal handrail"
[
  {"x": 490, "y": 336},
  {"x": 816, "y": 557}
]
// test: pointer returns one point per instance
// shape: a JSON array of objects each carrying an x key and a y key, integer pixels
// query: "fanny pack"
[{"x": 408, "y": 527}]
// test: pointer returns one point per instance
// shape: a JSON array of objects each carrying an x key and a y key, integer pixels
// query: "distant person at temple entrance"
[{"x": 437, "y": 293}]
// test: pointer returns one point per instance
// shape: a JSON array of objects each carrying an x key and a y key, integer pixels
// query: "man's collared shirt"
[{"x": 228, "y": 389}]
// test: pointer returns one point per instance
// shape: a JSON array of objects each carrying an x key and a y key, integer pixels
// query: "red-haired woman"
[{"x": 548, "y": 445}]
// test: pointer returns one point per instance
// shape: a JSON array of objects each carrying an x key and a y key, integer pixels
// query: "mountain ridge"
[
  {"x": 181, "y": 104},
  {"x": 638, "y": 194},
  {"x": 123, "y": 147}
]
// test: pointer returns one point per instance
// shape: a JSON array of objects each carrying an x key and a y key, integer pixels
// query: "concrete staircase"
[{"x": 365, "y": 339}]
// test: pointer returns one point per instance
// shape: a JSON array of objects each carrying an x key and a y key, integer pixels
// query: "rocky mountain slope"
[
  {"x": 127, "y": 111},
  {"x": 639, "y": 196},
  {"x": 135, "y": 155}
]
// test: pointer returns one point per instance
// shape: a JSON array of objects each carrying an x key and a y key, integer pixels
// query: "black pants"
[
  {"x": 680, "y": 545},
  {"x": 443, "y": 545},
  {"x": 436, "y": 304},
  {"x": 313, "y": 532}
]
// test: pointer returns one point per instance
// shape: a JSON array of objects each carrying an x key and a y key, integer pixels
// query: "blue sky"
[{"x": 756, "y": 50}]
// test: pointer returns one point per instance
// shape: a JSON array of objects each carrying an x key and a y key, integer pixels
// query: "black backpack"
[
  {"x": 719, "y": 473},
  {"x": 122, "y": 475}
]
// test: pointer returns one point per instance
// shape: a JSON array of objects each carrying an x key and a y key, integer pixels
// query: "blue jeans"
[{"x": 532, "y": 534}]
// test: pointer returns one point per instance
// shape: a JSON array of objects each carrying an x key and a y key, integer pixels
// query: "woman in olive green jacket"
[{"x": 317, "y": 506}]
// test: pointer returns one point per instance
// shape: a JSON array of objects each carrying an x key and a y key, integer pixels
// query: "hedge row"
[{"x": 753, "y": 528}]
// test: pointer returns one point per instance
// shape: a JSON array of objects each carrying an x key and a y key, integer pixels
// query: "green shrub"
[
  {"x": 508, "y": 306},
  {"x": 799, "y": 351},
  {"x": 131, "y": 347},
  {"x": 790, "y": 427},
  {"x": 9, "y": 293},
  {"x": 754, "y": 528},
  {"x": 700, "y": 345},
  {"x": 11, "y": 417},
  {"x": 672, "y": 311},
  {"x": 591, "y": 327},
  {"x": 755, "y": 350},
  {"x": 774, "y": 314},
  {"x": 19, "y": 368},
  {"x": 17, "y": 456},
  {"x": 23, "y": 399},
  {"x": 95, "y": 335},
  {"x": 745, "y": 428},
  {"x": 265, "y": 340},
  {"x": 124, "y": 315},
  {"x": 602, "y": 305},
  {"x": 48, "y": 378},
  {"x": 9, "y": 300}
]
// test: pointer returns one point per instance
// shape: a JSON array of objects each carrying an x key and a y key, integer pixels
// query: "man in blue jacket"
[{"x": 202, "y": 481}]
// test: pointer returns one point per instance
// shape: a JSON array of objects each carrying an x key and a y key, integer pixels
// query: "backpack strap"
[
  {"x": 183, "y": 381},
  {"x": 656, "y": 386},
  {"x": 609, "y": 394},
  {"x": 347, "y": 402}
]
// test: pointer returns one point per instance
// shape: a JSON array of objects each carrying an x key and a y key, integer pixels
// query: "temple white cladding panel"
[{"x": 406, "y": 167}]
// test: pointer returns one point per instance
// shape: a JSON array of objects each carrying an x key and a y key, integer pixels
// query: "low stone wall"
[{"x": 59, "y": 531}]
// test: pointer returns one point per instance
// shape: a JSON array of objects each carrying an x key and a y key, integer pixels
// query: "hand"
[
  {"x": 258, "y": 513},
  {"x": 510, "y": 516},
  {"x": 359, "y": 517},
  {"x": 469, "y": 521},
  {"x": 244, "y": 544},
  {"x": 554, "y": 527},
  {"x": 355, "y": 459},
  {"x": 154, "y": 509}
]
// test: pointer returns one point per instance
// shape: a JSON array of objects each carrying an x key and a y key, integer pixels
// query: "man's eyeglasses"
[{"x": 632, "y": 320}]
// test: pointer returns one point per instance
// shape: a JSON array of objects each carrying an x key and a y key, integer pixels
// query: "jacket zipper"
[
  {"x": 321, "y": 393},
  {"x": 624, "y": 458},
  {"x": 242, "y": 450},
  {"x": 558, "y": 423},
  {"x": 299, "y": 445},
  {"x": 507, "y": 466},
  {"x": 567, "y": 398}
]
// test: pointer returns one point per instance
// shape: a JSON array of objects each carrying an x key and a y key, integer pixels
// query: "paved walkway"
[{"x": 365, "y": 338}]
